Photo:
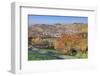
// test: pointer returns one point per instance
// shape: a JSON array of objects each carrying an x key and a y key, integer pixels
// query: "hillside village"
[{"x": 56, "y": 30}]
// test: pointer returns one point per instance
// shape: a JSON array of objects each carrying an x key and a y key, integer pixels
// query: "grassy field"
[{"x": 51, "y": 54}]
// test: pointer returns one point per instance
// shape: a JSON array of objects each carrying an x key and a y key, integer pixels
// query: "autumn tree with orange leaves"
[{"x": 65, "y": 42}]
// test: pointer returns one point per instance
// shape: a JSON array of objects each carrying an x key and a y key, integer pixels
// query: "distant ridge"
[{"x": 56, "y": 29}]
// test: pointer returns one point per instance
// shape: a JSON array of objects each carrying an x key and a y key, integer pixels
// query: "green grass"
[
  {"x": 37, "y": 56},
  {"x": 40, "y": 55}
]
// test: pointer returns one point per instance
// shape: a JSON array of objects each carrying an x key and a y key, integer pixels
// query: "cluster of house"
[{"x": 56, "y": 33}]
